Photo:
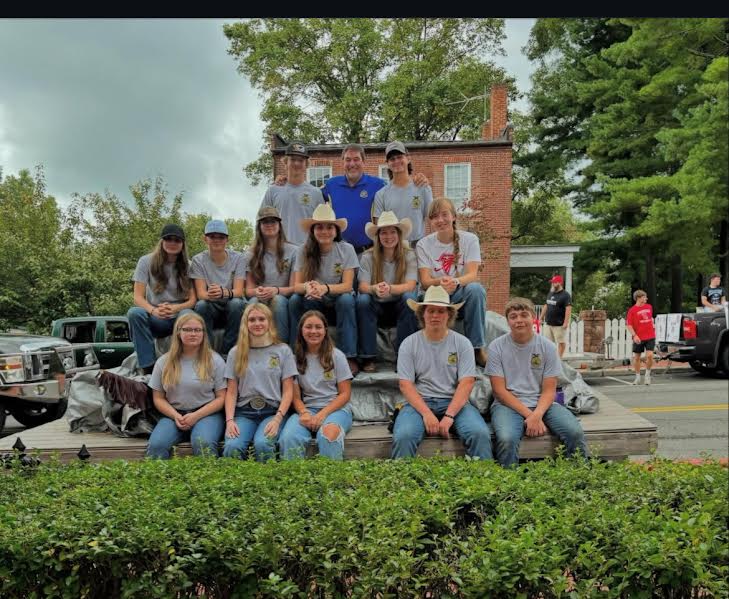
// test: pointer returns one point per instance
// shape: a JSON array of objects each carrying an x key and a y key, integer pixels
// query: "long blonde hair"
[
  {"x": 378, "y": 259},
  {"x": 172, "y": 370},
  {"x": 243, "y": 346},
  {"x": 437, "y": 206},
  {"x": 157, "y": 268}
]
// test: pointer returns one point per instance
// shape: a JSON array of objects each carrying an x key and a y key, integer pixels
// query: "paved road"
[
  {"x": 12, "y": 426},
  {"x": 691, "y": 411}
]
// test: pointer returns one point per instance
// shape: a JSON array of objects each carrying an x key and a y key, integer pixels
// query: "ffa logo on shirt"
[
  {"x": 452, "y": 358},
  {"x": 536, "y": 360},
  {"x": 416, "y": 202},
  {"x": 338, "y": 268},
  {"x": 363, "y": 193},
  {"x": 328, "y": 375},
  {"x": 285, "y": 263},
  {"x": 273, "y": 362},
  {"x": 305, "y": 199}
]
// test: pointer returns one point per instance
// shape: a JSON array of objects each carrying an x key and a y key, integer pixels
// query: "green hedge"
[{"x": 451, "y": 528}]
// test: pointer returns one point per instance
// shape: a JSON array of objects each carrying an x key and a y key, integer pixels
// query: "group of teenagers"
[{"x": 281, "y": 379}]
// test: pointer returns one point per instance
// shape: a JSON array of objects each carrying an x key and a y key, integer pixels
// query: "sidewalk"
[{"x": 618, "y": 370}]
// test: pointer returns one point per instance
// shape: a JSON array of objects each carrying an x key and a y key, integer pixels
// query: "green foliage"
[
  {"x": 80, "y": 261},
  {"x": 367, "y": 80},
  {"x": 313, "y": 528}
]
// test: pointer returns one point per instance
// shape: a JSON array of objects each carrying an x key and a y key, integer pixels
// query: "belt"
[{"x": 257, "y": 403}]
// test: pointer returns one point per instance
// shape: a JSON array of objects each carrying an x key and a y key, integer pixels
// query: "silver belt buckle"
[{"x": 258, "y": 403}]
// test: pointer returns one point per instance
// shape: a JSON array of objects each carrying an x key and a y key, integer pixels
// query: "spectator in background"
[
  {"x": 639, "y": 323},
  {"x": 713, "y": 297},
  {"x": 296, "y": 198},
  {"x": 555, "y": 316},
  {"x": 218, "y": 275}
]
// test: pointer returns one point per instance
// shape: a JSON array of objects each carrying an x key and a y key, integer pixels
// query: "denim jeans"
[
  {"x": 369, "y": 312},
  {"x": 204, "y": 436},
  {"x": 344, "y": 309},
  {"x": 251, "y": 424},
  {"x": 474, "y": 312},
  {"x": 471, "y": 428},
  {"x": 145, "y": 329},
  {"x": 509, "y": 428},
  {"x": 279, "y": 305},
  {"x": 295, "y": 436},
  {"x": 227, "y": 315}
]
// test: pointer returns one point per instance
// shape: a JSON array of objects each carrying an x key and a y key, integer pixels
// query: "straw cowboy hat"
[
  {"x": 389, "y": 219},
  {"x": 435, "y": 296},
  {"x": 324, "y": 213}
]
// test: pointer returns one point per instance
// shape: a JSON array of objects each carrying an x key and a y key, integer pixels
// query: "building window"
[
  {"x": 318, "y": 175},
  {"x": 458, "y": 183},
  {"x": 383, "y": 173}
]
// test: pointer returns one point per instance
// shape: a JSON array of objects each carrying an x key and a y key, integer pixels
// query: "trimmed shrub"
[{"x": 197, "y": 527}]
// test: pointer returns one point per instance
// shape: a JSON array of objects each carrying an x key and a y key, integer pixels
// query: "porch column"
[{"x": 568, "y": 280}]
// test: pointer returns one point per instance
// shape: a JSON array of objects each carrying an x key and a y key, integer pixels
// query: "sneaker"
[
  {"x": 636, "y": 380},
  {"x": 648, "y": 378},
  {"x": 353, "y": 366}
]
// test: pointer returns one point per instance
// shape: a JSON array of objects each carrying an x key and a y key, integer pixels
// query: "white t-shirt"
[{"x": 438, "y": 257}]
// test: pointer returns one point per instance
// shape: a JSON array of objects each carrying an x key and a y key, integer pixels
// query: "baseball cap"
[
  {"x": 216, "y": 226},
  {"x": 268, "y": 212},
  {"x": 395, "y": 146},
  {"x": 557, "y": 279},
  {"x": 170, "y": 230},
  {"x": 296, "y": 148}
]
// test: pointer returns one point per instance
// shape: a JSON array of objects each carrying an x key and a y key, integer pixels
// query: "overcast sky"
[{"x": 105, "y": 103}]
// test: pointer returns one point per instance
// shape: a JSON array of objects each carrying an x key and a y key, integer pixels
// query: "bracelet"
[
  {"x": 280, "y": 413},
  {"x": 278, "y": 291},
  {"x": 229, "y": 420},
  {"x": 448, "y": 416},
  {"x": 328, "y": 289}
]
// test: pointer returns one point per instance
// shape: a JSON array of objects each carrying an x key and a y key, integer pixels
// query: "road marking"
[
  {"x": 613, "y": 378},
  {"x": 703, "y": 407}
]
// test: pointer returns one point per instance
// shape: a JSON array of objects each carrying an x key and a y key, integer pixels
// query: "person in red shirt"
[{"x": 640, "y": 326}]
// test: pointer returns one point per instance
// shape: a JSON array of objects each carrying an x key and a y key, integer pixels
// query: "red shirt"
[{"x": 641, "y": 319}]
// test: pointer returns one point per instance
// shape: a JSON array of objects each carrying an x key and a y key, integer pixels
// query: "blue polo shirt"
[{"x": 353, "y": 203}]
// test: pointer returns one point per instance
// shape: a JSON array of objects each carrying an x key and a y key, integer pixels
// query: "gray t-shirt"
[
  {"x": 333, "y": 264},
  {"x": 410, "y": 202},
  {"x": 436, "y": 367},
  {"x": 438, "y": 257},
  {"x": 170, "y": 293},
  {"x": 388, "y": 272},
  {"x": 190, "y": 393},
  {"x": 319, "y": 388},
  {"x": 523, "y": 367},
  {"x": 203, "y": 267},
  {"x": 294, "y": 203},
  {"x": 267, "y": 368},
  {"x": 271, "y": 276}
]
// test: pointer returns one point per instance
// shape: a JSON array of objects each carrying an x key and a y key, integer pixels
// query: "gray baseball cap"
[{"x": 395, "y": 146}]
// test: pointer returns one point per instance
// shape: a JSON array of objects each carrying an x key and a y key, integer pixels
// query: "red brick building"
[{"x": 476, "y": 175}]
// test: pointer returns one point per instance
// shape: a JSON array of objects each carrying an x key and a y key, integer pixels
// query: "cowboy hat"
[
  {"x": 435, "y": 296},
  {"x": 389, "y": 219},
  {"x": 323, "y": 213}
]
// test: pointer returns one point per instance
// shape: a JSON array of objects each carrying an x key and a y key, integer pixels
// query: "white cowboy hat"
[
  {"x": 323, "y": 213},
  {"x": 389, "y": 219},
  {"x": 435, "y": 296}
]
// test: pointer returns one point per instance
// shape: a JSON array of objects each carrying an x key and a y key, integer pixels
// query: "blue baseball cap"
[{"x": 216, "y": 226}]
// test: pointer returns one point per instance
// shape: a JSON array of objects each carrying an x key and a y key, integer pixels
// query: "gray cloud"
[{"x": 104, "y": 103}]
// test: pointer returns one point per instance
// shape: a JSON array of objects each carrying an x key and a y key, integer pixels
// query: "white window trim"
[
  {"x": 457, "y": 201},
  {"x": 383, "y": 173},
  {"x": 309, "y": 169}
]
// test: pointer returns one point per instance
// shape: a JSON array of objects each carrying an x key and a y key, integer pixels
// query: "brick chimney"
[{"x": 495, "y": 125}]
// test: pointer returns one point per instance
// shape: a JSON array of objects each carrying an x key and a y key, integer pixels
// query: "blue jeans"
[
  {"x": 509, "y": 428},
  {"x": 251, "y": 424},
  {"x": 368, "y": 313},
  {"x": 471, "y": 428},
  {"x": 473, "y": 311},
  {"x": 145, "y": 329},
  {"x": 295, "y": 436},
  {"x": 204, "y": 435},
  {"x": 227, "y": 314},
  {"x": 344, "y": 309},
  {"x": 279, "y": 305}
]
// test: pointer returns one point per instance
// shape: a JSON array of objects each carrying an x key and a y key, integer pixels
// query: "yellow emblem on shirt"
[
  {"x": 416, "y": 202},
  {"x": 305, "y": 199},
  {"x": 453, "y": 358},
  {"x": 363, "y": 193},
  {"x": 273, "y": 362},
  {"x": 536, "y": 360},
  {"x": 285, "y": 263},
  {"x": 328, "y": 375},
  {"x": 338, "y": 268}
]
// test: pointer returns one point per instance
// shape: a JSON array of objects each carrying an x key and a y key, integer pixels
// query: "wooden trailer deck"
[{"x": 613, "y": 433}]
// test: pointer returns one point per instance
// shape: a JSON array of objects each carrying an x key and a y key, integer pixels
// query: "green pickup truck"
[{"x": 108, "y": 335}]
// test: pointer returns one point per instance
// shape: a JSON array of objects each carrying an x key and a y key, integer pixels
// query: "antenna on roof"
[{"x": 466, "y": 100}]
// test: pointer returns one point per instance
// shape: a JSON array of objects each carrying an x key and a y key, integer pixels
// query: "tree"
[{"x": 367, "y": 80}]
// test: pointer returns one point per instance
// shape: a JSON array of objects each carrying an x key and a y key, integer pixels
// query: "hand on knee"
[{"x": 331, "y": 431}]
